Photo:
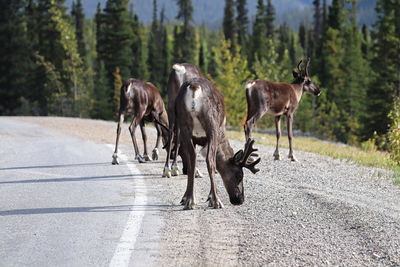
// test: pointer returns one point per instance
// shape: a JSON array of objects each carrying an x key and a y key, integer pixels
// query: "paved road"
[{"x": 63, "y": 204}]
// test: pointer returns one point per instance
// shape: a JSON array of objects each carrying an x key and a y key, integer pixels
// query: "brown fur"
[
  {"x": 209, "y": 111},
  {"x": 173, "y": 87},
  {"x": 145, "y": 104},
  {"x": 277, "y": 99}
]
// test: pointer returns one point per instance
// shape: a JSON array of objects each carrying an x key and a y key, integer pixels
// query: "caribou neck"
[
  {"x": 298, "y": 89},
  {"x": 224, "y": 154}
]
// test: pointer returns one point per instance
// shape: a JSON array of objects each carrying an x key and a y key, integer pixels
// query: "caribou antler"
[
  {"x": 242, "y": 158},
  {"x": 298, "y": 66},
  {"x": 308, "y": 63}
]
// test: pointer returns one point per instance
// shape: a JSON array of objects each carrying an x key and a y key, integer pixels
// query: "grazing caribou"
[
  {"x": 179, "y": 74},
  {"x": 277, "y": 99},
  {"x": 143, "y": 101},
  {"x": 200, "y": 120}
]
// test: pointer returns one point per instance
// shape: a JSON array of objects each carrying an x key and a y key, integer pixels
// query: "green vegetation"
[{"x": 55, "y": 63}]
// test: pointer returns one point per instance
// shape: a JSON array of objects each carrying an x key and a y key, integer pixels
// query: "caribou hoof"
[
  {"x": 115, "y": 160},
  {"x": 189, "y": 204},
  {"x": 155, "y": 154},
  {"x": 215, "y": 203},
  {"x": 146, "y": 157},
  {"x": 167, "y": 172},
  {"x": 292, "y": 158},
  {"x": 175, "y": 171},
  {"x": 140, "y": 159},
  {"x": 198, "y": 174},
  {"x": 277, "y": 157}
]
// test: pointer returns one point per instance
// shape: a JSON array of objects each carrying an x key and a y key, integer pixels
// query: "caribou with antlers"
[
  {"x": 277, "y": 99},
  {"x": 200, "y": 120},
  {"x": 143, "y": 101}
]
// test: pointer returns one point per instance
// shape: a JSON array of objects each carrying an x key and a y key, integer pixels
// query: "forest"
[{"x": 55, "y": 62}]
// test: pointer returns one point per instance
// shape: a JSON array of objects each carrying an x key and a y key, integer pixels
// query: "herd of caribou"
[{"x": 196, "y": 116}]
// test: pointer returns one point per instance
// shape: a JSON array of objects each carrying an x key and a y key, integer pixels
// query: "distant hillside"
[{"x": 211, "y": 11}]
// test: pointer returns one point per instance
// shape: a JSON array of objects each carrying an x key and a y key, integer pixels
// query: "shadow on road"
[
  {"x": 122, "y": 208},
  {"x": 58, "y": 166}
]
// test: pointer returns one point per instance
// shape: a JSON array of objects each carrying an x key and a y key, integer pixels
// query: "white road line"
[{"x": 126, "y": 244}]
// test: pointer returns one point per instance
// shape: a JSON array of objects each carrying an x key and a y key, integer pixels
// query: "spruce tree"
[
  {"x": 185, "y": 38},
  {"x": 352, "y": 96},
  {"x": 116, "y": 41},
  {"x": 154, "y": 60},
  {"x": 242, "y": 22},
  {"x": 269, "y": 19},
  {"x": 385, "y": 85},
  {"x": 79, "y": 20},
  {"x": 139, "y": 66},
  {"x": 228, "y": 23},
  {"x": 15, "y": 63},
  {"x": 259, "y": 40},
  {"x": 317, "y": 20},
  {"x": 101, "y": 105}
]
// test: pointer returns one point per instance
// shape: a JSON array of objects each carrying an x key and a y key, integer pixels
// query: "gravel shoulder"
[{"x": 318, "y": 211}]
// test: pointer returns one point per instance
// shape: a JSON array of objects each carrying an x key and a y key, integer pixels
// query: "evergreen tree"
[
  {"x": 366, "y": 43},
  {"x": 242, "y": 22},
  {"x": 259, "y": 40},
  {"x": 98, "y": 19},
  {"x": 385, "y": 83},
  {"x": 185, "y": 38},
  {"x": 15, "y": 61},
  {"x": 167, "y": 60},
  {"x": 154, "y": 60},
  {"x": 336, "y": 15},
  {"x": 317, "y": 20},
  {"x": 79, "y": 20},
  {"x": 101, "y": 107},
  {"x": 303, "y": 38},
  {"x": 138, "y": 66},
  {"x": 116, "y": 38},
  {"x": 228, "y": 23},
  {"x": 269, "y": 19},
  {"x": 352, "y": 96}
]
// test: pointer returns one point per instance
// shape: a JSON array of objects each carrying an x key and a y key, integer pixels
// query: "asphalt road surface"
[{"x": 62, "y": 203}]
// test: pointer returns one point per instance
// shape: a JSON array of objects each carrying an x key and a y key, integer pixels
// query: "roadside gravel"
[{"x": 317, "y": 211}]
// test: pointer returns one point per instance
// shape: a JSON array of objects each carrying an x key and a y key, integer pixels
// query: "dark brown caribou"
[
  {"x": 277, "y": 99},
  {"x": 143, "y": 101},
  {"x": 200, "y": 120},
  {"x": 180, "y": 73}
]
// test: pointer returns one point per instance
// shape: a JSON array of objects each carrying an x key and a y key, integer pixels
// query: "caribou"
[
  {"x": 179, "y": 74},
  {"x": 200, "y": 120},
  {"x": 143, "y": 101},
  {"x": 277, "y": 99}
]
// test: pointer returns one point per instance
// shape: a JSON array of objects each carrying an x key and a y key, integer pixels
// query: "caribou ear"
[
  {"x": 237, "y": 157},
  {"x": 295, "y": 74}
]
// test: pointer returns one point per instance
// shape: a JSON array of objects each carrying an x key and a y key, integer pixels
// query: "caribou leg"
[
  {"x": 174, "y": 166},
  {"x": 278, "y": 136},
  {"x": 155, "y": 153},
  {"x": 132, "y": 129},
  {"x": 189, "y": 152},
  {"x": 144, "y": 138},
  {"x": 290, "y": 136},
  {"x": 214, "y": 200},
  {"x": 120, "y": 122},
  {"x": 167, "y": 169}
]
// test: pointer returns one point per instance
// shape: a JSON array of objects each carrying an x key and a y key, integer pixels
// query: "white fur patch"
[
  {"x": 249, "y": 85},
  {"x": 130, "y": 91},
  {"x": 180, "y": 72},
  {"x": 193, "y": 104}
]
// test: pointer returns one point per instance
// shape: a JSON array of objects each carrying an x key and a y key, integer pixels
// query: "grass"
[{"x": 377, "y": 159}]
